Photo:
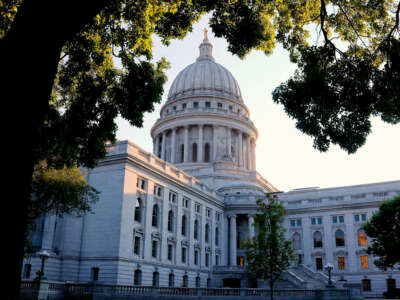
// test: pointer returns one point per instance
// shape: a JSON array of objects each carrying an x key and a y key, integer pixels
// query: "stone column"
[
  {"x": 251, "y": 226},
  {"x": 163, "y": 144},
  {"x": 254, "y": 154},
  {"x": 229, "y": 141},
  {"x": 225, "y": 241},
  {"x": 214, "y": 154},
  {"x": 240, "y": 152},
  {"x": 48, "y": 232},
  {"x": 157, "y": 146},
  {"x": 147, "y": 222},
  {"x": 186, "y": 147},
  {"x": 248, "y": 152},
  {"x": 233, "y": 240},
  {"x": 200, "y": 157},
  {"x": 173, "y": 146}
]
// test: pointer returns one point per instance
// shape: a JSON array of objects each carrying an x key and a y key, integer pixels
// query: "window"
[
  {"x": 240, "y": 261},
  {"x": 183, "y": 254},
  {"x": 197, "y": 282},
  {"x": 136, "y": 246},
  {"x": 174, "y": 107},
  {"x": 363, "y": 217},
  {"x": 217, "y": 260},
  {"x": 138, "y": 210},
  {"x": 207, "y": 233},
  {"x": 196, "y": 257},
  {"x": 185, "y": 281},
  {"x": 335, "y": 219},
  {"x": 156, "y": 277},
  {"x": 157, "y": 191},
  {"x": 339, "y": 237},
  {"x": 296, "y": 239},
  {"x": 196, "y": 230},
  {"x": 207, "y": 152},
  {"x": 208, "y": 282},
  {"x": 366, "y": 284},
  {"x": 295, "y": 222},
  {"x": 356, "y": 218},
  {"x": 95, "y": 273},
  {"x": 183, "y": 105},
  {"x": 362, "y": 238},
  {"x": 195, "y": 104},
  {"x": 154, "y": 219},
  {"x": 364, "y": 262},
  {"x": 184, "y": 225},
  {"x": 230, "y": 107},
  {"x": 318, "y": 263},
  {"x": 194, "y": 152},
  {"x": 185, "y": 203},
  {"x": 316, "y": 220},
  {"x": 208, "y": 213},
  {"x": 341, "y": 263},
  {"x": 207, "y": 259},
  {"x": 154, "y": 246},
  {"x": 391, "y": 284},
  {"x": 172, "y": 197},
  {"x": 170, "y": 220},
  {"x": 171, "y": 280},
  {"x": 143, "y": 184},
  {"x": 170, "y": 249},
  {"x": 208, "y": 104},
  {"x": 137, "y": 277},
  {"x": 217, "y": 216},
  {"x": 317, "y": 237},
  {"x": 27, "y": 270},
  {"x": 197, "y": 208},
  {"x": 341, "y": 219},
  {"x": 182, "y": 153},
  {"x": 219, "y": 105},
  {"x": 216, "y": 236}
]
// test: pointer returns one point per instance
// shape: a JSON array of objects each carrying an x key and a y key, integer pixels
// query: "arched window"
[
  {"x": 138, "y": 210},
  {"x": 137, "y": 277},
  {"x": 216, "y": 236},
  {"x": 339, "y": 236},
  {"x": 194, "y": 152},
  {"x": 196, "y": 230},
  {"x": 182, "y": 153},
  {"x": 207, "y": 152},
  {"x": 154, "y": 220},
  {"x": 197, "y": 281},
  {"x": 317, "y": 236},
  {"x": 184, "y": 225},
  {"x": 185, "y": 281},
  {"x": 207, "y": 233},
  {"x": 170, "y": 220},
  {"x": 171, "y": 280},
  {"x": 156, "y": 277},
  {"x": 296, "y": 239},
  {"x": 362, "y": 238}
]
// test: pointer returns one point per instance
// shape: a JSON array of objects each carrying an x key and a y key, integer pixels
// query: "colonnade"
[
  {"x": 231, "y": 223},
  {"x": 244, "y": 146}
]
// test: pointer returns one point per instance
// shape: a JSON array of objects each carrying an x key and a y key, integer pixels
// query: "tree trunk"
[
  {"x": 271, "y": 288},
  {"x": 29, "y": 56}
]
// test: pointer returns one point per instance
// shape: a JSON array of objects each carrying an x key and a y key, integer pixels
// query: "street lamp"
[
  {"x": 329, "y": 268},
  {"x": 43, "y": 256}
]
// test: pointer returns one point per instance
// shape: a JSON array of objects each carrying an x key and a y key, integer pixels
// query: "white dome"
[{"x": 205, "y": 77}]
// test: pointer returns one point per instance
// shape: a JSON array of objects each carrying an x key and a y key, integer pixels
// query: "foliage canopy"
[{"x": 384, "y": 230}]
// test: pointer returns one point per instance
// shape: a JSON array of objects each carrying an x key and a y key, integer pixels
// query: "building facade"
[{"x": 177, "y": 216}]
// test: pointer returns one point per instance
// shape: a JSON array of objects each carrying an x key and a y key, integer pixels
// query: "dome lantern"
[{"x": 205, "y": 49}]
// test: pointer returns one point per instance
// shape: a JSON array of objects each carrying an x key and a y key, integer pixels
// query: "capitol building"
[{"x": 177, "y": 216}]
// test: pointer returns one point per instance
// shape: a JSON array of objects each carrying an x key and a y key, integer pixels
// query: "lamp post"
[
  {"x": 43, "y": 256},
  {"x": 329, "y": 268}
]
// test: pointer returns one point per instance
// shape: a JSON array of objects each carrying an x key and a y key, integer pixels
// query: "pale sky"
[{"x": 284, "y": 156}]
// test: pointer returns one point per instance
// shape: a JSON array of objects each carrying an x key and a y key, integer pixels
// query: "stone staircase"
[{"x": 304, "y": 277}]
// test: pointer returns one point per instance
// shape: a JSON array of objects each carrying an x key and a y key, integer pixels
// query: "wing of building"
[{"x": 176, "y": 217}]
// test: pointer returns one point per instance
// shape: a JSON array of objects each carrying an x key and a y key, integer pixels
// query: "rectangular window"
[
  {"x": 195, "y": 104},
  {"x": 197, "y": 208},
  {"x": 219, "y": 105},
  {"x": 292, "y": 223},
  {"x": 207, "y": 259},
  {"x": 313, "y": 221},
  {"x": 185, "y": 203},
  {"x": 366, "y": 283},
  {"x": 299, "y": 222},
  {"x": 95, "y": 274},
  {"x": 172, "y": 197},
  {"x": 318, "y": 263},
  {"x": 363, "y": 217},
  {"x": 157, "y": 191},
  {"x": 341, "y": 263},
  {"x": 364, "y": 262},
  {"x": 230, "y": 107},
  {"x": 208, "y": 213},
  {"x": 136, "y": 248},
  {"x": 196, "y": 257},
  {"x": 183, "y": 105},
  {"x": 27, "y": 270},
  {"x": 356, "y": 218},
  {"x": 319, "y": 221},
  {"x": 174, "y": 107},
  {"x": 183, "y": 254},
  {"x": 169, "y": 252},
  {"x": 334, "y": 219},
  {"x": 217, "y": 216},
  {"x": 341, "y": 219},
  {"x": 154, "y": 249},
  {"x": 217, "y": 260},
  {"x": 208, "y": 104}
]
